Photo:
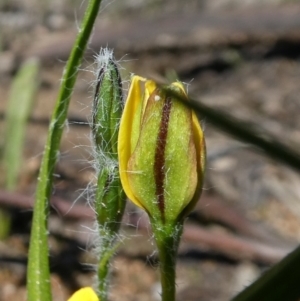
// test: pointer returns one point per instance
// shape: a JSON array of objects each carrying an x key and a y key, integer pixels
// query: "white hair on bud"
[{"x": 104, "y": 56}]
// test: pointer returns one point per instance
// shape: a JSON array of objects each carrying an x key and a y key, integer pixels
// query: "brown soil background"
[{"x": 240, "y": 58}]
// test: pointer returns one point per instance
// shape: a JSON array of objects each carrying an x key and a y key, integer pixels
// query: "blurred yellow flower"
[{"x": 84, "y": 294}]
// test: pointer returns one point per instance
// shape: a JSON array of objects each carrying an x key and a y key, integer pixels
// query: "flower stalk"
[{"x": 167, "y": 241}]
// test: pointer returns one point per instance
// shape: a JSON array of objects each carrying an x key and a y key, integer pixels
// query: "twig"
[
  {"x": 232, "y": 246},
  {"x": 244, "y": 131}
]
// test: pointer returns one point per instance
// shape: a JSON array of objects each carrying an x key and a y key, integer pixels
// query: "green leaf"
[
  {"x": 281, "y": 282},
  {"x": 22, "y": 95},
  {"x": 20, "y": 103}
]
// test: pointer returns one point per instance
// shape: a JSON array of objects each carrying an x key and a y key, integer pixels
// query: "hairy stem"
[
  {"x": 109, "y": 207},
  {"x": 38, "y": 275},
  {"x": 108, "y": 248},
  {"x": 167, "y": 240}
]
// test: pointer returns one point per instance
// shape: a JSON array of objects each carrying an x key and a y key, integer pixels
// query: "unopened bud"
[
  {"x": 108, "y": 105},
  {"x": 161, "y": 150},
  {"x": 107, "y": 111}
]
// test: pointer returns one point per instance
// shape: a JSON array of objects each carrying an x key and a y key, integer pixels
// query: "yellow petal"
[
  {"x": 84, "y": 294},
  {"x": 201, "y": 162},
  {"x": 200, "y": 146},
  {"x": 135, "y": 96}
]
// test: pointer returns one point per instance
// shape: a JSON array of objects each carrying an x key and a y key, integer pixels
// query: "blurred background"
[{"x": 241, "y": 58}]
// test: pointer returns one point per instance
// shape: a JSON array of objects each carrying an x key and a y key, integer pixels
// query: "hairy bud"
[
  {"x": 108, "y": 105},
  {"x": 107, "y": 111}
]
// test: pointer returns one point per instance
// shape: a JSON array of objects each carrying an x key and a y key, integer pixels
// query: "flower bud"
[
  {"x": 107, "y": 110},
  {"x": 108, "y": 105},
  {"x": 161, "y": 150}
]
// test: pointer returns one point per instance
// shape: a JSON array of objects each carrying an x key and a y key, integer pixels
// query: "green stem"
[
  {"x": 108, "y": 248},
  {"x": 167, "y": 238},
  {"x": 167, "y": 256},
  {"x": 109, "y": 207},
  {"x": 38, "y": 275}
]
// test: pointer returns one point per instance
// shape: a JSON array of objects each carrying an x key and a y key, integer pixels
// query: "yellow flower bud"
[
  {"x": 84, "y": 294},
  {"x": 161, "y": 150}
]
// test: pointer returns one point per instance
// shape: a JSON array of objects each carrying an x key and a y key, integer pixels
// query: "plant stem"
[
  {"x": 167, "y": 256},
  {"x": 167, "y": 239},
  {"x": 108, "y": 248},
  {"x": 109, "y": 207},
  {"x": 38, "y": 275}
]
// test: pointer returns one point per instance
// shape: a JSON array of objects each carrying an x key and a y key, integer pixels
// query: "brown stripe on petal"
[{"x": 159, "y": 160}]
